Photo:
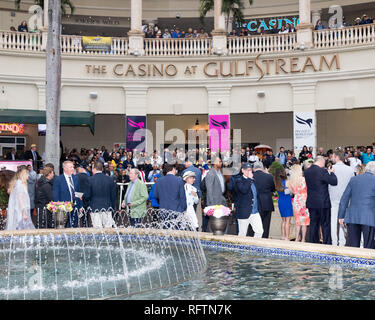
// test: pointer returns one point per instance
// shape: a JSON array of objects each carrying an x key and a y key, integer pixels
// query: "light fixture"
[
  {"x": 261, "y": 93},
  {"x": 136, "y": 52},
  {"x": 197, "y": 122},
  {"x": 219, "y": 51},
  {"x": 93, "y": 95},
  {"x": 302, "y": 46}
]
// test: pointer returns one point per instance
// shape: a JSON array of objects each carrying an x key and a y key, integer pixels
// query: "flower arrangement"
[
  {"x": 66, "y": 206},
  {"x": 217, "y": 211}
]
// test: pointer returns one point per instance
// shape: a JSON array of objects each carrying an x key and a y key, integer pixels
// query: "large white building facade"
[{"x": 261, "y": 82}]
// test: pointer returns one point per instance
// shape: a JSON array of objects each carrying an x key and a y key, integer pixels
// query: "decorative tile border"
[{"x": 292, "y": 254}]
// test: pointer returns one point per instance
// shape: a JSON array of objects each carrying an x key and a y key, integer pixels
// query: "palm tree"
[
  {"x": 64, "y": 4},
  {"x": 231, "y": 8}
]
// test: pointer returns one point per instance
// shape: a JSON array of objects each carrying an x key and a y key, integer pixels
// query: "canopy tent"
[{"x": 67, "y": 118}]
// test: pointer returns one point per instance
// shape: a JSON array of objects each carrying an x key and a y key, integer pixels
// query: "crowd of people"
[
  {"x": 153, "y": 31},
  {"x": 333, "y": 24},
  {"x": 332, "y": 193}
]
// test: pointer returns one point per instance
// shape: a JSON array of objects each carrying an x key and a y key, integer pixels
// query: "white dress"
[
  {"x": 19, "y": 200},
  {"x": 190, "y": 201}
]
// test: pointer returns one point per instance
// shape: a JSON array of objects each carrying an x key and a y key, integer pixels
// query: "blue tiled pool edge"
[{"x": 347, "y": 261}]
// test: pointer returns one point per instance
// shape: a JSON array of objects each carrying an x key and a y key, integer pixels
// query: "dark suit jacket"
[
  {"x": 61, "y": 190},
  {"x": 317, "y": 181},
  {"x": 244, "y": 198},
  {"x": 170, "y": 193},
  {"x": 102, "y": 192},
  {"x": 357, "y": 204},
  {"x": 84, "y": 184},
  {"x": 9, "y": 156},
  {"x": 265, "y": 189},
  {"x": 29, "y": 155}
]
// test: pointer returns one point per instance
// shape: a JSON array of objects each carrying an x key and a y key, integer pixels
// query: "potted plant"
[
  {"x": 219, "y": 215},
  {"x": 60, "y": 212}
]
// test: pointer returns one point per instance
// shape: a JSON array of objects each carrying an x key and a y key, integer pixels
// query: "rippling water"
[{"x": 234, "y": 275}]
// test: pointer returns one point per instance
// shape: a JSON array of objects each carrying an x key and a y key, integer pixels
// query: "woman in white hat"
[{"x": 191, "y": 198}]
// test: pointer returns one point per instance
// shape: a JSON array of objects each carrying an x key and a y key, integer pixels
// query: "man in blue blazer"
[
  {"x": 169, "y": 190},
  {"x": 102, "y": 196},
  {"x": 318, "y": 202},
  {"x": 64, "y": 188},
  {"x": 357, "y": 208},
  {"x": 247, "y": 204}
]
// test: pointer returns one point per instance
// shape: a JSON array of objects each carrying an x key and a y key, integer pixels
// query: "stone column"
[
  {"x": 219, "y": 34},
  {"x": 315, "y": 16},
  {"x": 304, "y": 29},
  {"x": 45, "y": 25},
  {"x": 135, "y": 34}
]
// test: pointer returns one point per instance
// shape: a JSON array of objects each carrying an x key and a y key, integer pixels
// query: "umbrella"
[{"x": 262, "y": 147}]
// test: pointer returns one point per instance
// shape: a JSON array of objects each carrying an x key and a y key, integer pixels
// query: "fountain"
[{"x": 88, "y": 263}]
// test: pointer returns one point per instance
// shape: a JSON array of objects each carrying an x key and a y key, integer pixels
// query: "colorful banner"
[
  {"x": 12, "y": 165},
  {"x": 134, "y": 123},
  {"x": 304, "y": 126},
  {"x": 219, "y": 132},
  {"x": 96, "y": 43}
]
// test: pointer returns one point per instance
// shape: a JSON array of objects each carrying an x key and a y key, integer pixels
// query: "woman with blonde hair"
[
  {"x": 297, "y": 186},
  {"x": 18, "y": 217}
]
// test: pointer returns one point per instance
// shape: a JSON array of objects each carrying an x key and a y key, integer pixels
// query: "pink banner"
[
  {"x": 219, "y": 132},
  {"x": 12, "y": 165}
]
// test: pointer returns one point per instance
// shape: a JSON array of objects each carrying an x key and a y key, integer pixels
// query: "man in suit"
[
  {"x": 169, "y": 190},
  {"x": 136, "y": 197},
  {"x": 215, "y": 185},
  {"x": 265, "y": 189},
  {"x": 317, "y": 180},
  {"x": 357, "y": 208},
  {"x": 343, "y": 173},
  {"x": 64, "y": 188},
  {"x": 12, "y": 155},
  {"x": 84, "y": 184},
  {"x": 237, "y": 175},
  {"x": 33, "y": 156},
  {"x": 102, "y": 197},
  {"x": 247, "y": 208}
]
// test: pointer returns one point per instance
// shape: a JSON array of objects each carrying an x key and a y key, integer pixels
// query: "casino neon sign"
[
  {"x": 267, "y": 24},
  {"x": 12, "y": 127}
]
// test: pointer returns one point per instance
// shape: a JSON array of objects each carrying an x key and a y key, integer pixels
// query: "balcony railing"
[
  {"x": 261, "y": 44},
  {"x": 21, "y": 41},
  {"x": 177, "y": 47},
  {"x": 349, "y": 36},
  {"x": 72, "y": 45}
]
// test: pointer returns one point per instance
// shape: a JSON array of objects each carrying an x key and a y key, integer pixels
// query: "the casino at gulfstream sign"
[{"x": 257, "y": 68}]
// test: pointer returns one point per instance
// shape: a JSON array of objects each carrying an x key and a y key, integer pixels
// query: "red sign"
[{"x": 11, "y": 127}]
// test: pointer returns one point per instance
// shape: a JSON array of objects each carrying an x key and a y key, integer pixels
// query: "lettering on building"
[{"x": 257, "y": 68}]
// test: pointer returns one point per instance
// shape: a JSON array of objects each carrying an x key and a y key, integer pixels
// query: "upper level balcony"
[{"x": 236, "y": 46}]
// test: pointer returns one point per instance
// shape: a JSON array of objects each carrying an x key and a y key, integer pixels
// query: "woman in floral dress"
[{"x": 297, "y": 185}]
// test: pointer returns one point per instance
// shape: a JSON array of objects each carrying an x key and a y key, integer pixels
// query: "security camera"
[
  {"x": 178, "y": 16},
  {"x": 219, "y": 101}
]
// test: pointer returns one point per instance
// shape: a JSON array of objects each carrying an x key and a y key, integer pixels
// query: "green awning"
[{"x": 67, "y": 118}]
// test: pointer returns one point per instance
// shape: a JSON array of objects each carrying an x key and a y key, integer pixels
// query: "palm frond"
[{"x": 206, "y": 6}]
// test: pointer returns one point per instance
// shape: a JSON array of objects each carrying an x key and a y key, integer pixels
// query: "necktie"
[{"x": 71, "y": 187}]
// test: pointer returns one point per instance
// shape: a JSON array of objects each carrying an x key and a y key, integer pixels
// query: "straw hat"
[{"x": 188, "y": 174}]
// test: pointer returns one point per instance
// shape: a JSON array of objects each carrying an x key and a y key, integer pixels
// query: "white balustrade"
[
  {"x": 72, "y": 45},
  {"x": 261, "y": 44},
  {"x": 20, "y": 41},
  {"x": 348, "y": 36},
  {"x": 177, "y": 47}
]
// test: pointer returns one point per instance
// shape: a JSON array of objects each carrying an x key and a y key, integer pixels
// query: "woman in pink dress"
[{"x": 297, "y": 185}]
